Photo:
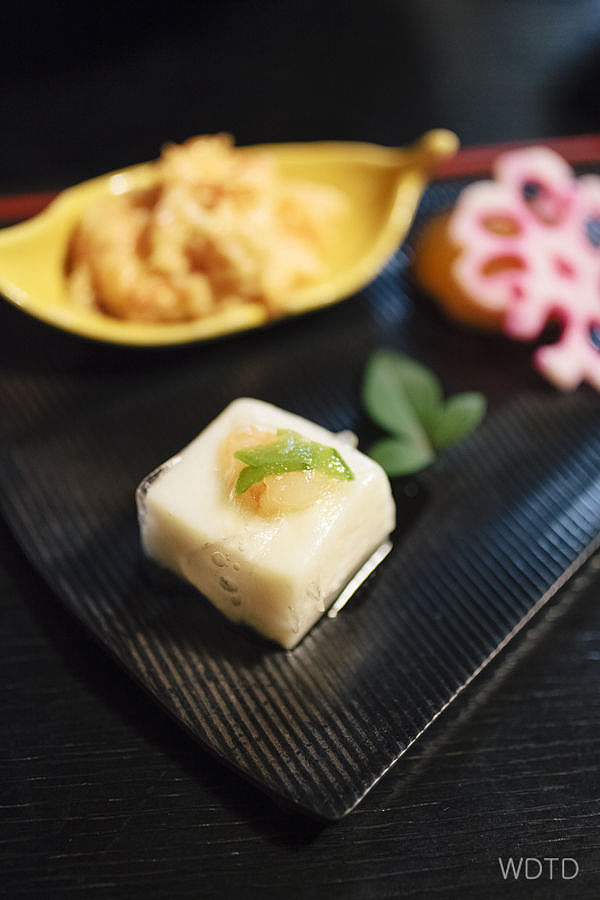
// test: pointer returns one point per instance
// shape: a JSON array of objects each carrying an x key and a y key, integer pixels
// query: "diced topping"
[
  {"x": 290, "y": 452},
  {"x": 279, "y": 472}
]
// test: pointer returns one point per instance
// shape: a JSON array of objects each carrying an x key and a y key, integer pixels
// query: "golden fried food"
[{"x": 220, "y": 227}]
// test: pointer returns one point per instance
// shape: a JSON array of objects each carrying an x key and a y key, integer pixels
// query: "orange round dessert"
[{"x": 433, "y": 266}]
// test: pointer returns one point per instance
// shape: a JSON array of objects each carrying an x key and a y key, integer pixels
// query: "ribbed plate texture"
[{"x": 485, "y": 535}]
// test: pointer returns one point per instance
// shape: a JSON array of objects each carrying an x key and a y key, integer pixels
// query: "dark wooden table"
[{"x": 101, "y": 795}]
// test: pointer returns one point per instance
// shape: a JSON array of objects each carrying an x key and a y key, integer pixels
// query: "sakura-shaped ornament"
[{"x": 520, "y": 251}]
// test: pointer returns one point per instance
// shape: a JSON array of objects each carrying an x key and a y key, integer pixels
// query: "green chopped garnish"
[
  {"x": 405, "y": 399},
  {"x": 288, "y": 452}
]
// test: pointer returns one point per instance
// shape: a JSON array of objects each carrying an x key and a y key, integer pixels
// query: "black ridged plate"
[{"x": 486, "y": 534}]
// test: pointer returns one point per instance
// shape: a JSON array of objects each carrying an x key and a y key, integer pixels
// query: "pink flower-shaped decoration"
[{"x": 530, "y": 249}]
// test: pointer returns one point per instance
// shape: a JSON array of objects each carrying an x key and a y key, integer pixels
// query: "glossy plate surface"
[{"x": 485, "y": 535}]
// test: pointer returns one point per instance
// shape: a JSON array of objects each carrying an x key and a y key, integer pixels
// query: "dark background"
[
  {"x": 100, "y": 794},
  {"x": 91, "y": 87}
]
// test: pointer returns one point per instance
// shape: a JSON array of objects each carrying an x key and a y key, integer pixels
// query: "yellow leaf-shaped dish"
[{"x": 382, "y": 186}]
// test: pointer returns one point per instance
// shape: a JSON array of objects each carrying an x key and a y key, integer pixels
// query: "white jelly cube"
[{"x": 279, "y": 572}]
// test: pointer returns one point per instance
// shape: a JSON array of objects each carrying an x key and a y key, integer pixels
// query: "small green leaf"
[
  {"x": 405, "y": 398},
  {"x": 401, "y": 457},
  {"x": 461, "y": 414},
  {"x": 288, "y": 452},
  {"x": 400, "y": 394}
]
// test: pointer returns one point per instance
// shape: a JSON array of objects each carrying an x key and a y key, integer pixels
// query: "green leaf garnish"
[
  {"x": 399, "y": 393},
  {"x": 461, "y": 414},
  {"x": 288, "y": 452},
  {"x": 399, "y": 456},
  {"x": 405, "y": 398}
]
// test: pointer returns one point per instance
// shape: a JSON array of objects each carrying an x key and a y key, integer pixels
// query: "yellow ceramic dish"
[{"x": 383, "y": 186}]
